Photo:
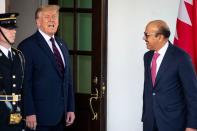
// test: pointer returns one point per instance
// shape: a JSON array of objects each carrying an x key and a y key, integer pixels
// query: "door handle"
[
  {"x": 95, "y": 80},
  {"x": 95, "y": 97},
  {"x": 103, "y": 88}
]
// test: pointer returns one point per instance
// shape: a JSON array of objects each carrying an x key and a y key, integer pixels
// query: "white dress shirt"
[
  {"x": 162, "y": 52},
  {"x": 5, "y": 50}
]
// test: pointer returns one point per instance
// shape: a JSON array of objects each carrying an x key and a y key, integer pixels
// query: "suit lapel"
[
  {"x": 149, "y": 66},
  {"x": 164, "y": 64},
  {"x": 43, "y": 44}
]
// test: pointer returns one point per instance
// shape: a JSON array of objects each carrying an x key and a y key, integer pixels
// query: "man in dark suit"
[
  {"x": 11, "y": 75},
  {"x": 170, "y": 85},
  {"x": 48, "y": 87}
]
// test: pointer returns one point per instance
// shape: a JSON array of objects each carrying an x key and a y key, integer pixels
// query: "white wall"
[
  {"x": 2, "y": 6},
  {"x": 126, "y": 23}
]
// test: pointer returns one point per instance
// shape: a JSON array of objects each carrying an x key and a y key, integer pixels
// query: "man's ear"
[
  {"x": 37, "y": 22},
  {"x": 161, "y": 37}
]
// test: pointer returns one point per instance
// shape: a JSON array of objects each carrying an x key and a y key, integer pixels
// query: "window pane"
[
  {"x": 84, "y": 74},
  {"x": 66, "y": 28},
  {"x": 66, "y": 3},
  {"x": 84, "y": 3},
  {"x": 84, "y": 31}
]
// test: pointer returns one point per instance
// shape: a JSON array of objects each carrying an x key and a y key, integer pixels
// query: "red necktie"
[
  {"x": 154, "y": 67},
  {"x": 57, "y": 57}
]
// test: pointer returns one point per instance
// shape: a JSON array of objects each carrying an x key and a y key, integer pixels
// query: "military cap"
[{"x": 8, "y": 20}]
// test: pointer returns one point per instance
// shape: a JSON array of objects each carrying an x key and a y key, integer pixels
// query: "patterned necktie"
[
  {"x": 9, "y": 55},
  {"x": 57, "y": 57},
  {"x": 154, "y": 67}
]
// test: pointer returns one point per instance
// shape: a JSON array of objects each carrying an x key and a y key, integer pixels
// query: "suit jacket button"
[
  {"x": 14, "y": 85},
  {"x": 13, "y": 76},
  {"x": 154, "y": 94}
]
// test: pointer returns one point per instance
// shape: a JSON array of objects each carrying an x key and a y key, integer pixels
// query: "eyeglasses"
[{"x": 146, "y": 35}]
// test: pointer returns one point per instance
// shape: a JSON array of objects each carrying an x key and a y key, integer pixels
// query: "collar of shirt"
[
  {"x": 5, "y": 50},
  {"x": 162, "y": 51},
  {"x": 46, "y": 37}
]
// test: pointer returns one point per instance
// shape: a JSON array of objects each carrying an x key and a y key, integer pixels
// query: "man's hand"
[
  {"x": 31, "y": 122},
  {"x": 70, "y": 118},
  {"x": 190, "y": 129}
]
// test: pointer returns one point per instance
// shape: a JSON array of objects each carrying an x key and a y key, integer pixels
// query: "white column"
[{"x": 2, "y": 6}]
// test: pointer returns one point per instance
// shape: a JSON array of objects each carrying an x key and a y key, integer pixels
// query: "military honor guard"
[{"x": 11, "y": 75}]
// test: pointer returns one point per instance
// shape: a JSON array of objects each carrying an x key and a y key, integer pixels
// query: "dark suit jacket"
[
  {"x": 173, "y": 99},
  {"x": 47, "y": 94}
]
